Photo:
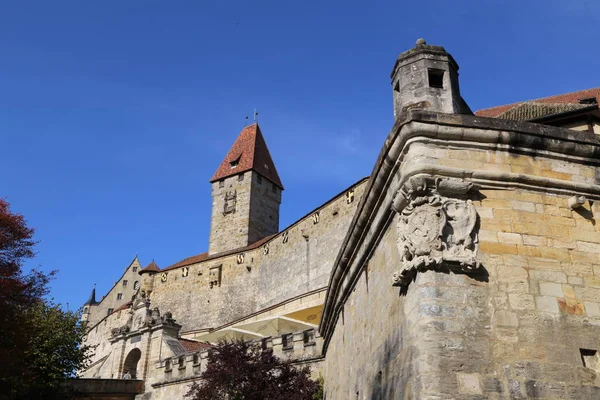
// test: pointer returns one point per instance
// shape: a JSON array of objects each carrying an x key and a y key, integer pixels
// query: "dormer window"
[{"x": 235, "y": 162}]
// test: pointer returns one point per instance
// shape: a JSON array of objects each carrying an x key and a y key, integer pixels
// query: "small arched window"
[{"x": 136, "y": 285}]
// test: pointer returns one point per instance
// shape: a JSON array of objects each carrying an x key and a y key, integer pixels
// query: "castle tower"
[
  {"x": 246, "y": 193},
  {"x": 426, "y": 77}
]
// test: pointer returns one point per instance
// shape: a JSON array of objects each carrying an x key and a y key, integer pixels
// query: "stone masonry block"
[
  {"x": 533, "y": 240},
  {"x": 510, "y": 238},
  {"x": 592, "y": 309},
  {"x": 469, "y": 383},
  {"x": 551, "y": 289},
  {"x": 547, "y": 303},
  {"x": 520, "y": 301}
]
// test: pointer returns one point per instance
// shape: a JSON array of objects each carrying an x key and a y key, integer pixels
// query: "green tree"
[
  {"x": 40, "y": 344},
  {"x": 239, "y": 370}
]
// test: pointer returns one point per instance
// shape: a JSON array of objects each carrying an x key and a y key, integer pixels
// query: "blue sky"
[{"x": 114, "y": 115}]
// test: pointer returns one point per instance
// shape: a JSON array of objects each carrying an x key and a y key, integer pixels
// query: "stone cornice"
[{"x": 375, "y": 210}]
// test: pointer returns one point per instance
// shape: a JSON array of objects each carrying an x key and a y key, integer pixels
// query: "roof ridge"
[{"x": 539, "y": 98}]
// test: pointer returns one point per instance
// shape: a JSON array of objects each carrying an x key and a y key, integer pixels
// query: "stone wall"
[
  {"x": 294, "y": 262},
  {"x": 230, "y": 218},
  {"x": 523, "y": 325}
]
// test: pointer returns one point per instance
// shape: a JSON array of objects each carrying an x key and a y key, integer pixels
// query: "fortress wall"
[
  {"x": 264, "y": 278},
  {"x": 525, "y": 326},
  {"x": 98, "y": 337}
]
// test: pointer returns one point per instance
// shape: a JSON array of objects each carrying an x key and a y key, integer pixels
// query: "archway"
[{"x": 131, "y": 362}]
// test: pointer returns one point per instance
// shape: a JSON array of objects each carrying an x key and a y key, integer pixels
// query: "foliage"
[
  {"x": 320, "y": 393},
  {"x": 239, "y": 370},
  {"x": 40, "y": 342}
]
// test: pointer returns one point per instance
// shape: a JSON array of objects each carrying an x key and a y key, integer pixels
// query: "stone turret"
[
  {"x": 426, "y": 77},
  {"x": 147, "y": 273},
  {"x": 246, "y": 192},
  {"x": 89, "y": 305}
]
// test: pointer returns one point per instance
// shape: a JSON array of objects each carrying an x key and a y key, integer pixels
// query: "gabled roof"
[
  {"x": 567, "y": 98},
  {"x": 152, "y": 267},
  {"x": 249, "y": 152}
]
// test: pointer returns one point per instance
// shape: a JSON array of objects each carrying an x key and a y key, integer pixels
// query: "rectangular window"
[
  {"x": 124, "y": 282},
  {"x": 287, "y": 341},
  {"x": 436, "y": 78},
  {"x": 110, "y": 311},
  {"x": 222, "y": 183},
  {"x": 241, "y": 177},
  {"x": 309, "y": 337},
  {"x": 134, "y": 269},
  {"x": 259, "y": 179},
  {"x": 274, "y": 188},
  {"x": 119, "y": 296}
]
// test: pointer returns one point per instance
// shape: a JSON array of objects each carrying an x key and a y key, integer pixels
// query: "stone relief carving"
[
  {"x": 230, "y": 201},
  {"x": 142, "y": 316},
  {"x": 437, "y": 228}
]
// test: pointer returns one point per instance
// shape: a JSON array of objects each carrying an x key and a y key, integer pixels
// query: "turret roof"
[
  {"x": 152, "y": 267},
  {"x": 249, "y": 152},
  {"x": 92, "y": 299}
]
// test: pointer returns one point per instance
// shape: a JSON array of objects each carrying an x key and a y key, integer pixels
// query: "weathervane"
[{"x": 255, "y": 115}]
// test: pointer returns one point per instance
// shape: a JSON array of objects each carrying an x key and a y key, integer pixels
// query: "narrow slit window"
[{"x": 436, "y": 78}]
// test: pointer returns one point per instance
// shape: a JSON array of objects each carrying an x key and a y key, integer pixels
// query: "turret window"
[
  {"x": 436, "y": 78},
  {"x": 274, "y": 188},
  {"x": 241, "y": 177},
  {"x": 259, "y": 179}
]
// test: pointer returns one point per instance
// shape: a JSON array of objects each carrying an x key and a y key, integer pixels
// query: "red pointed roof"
[
  {"x": 567, "y": 98},
  {"x": 249, "y": 152},
  {"x": 152, "y": 267}
]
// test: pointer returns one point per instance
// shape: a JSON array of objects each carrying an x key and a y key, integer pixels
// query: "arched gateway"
[{"x": 131, "y": 362}]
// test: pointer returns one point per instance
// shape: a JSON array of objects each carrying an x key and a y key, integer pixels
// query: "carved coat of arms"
[{"x": 437, "y": 228}]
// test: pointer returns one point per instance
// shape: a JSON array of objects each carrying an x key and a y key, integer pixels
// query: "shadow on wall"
[
  {"x": 480, "y": 275},
  {"x": 392, "y": 380}
]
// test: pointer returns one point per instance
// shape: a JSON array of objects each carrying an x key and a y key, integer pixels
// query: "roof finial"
[
  {"x": 421, "y": 42},
  {"x": 246, "y": 122},
  {"x": 255, "y": 115}
]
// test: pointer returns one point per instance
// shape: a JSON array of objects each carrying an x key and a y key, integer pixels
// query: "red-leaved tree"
[
  {"x": 239, "y": 370},
  {"x": 40, "y": 344}
]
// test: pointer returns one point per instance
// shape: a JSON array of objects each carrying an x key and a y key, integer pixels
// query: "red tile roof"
[
  {"x": 188, "y": 261},
  {"x": 204, "y": 256},
  {"x": 193, "y": 346},
  {"x": 566, "y": 98},
  {"x": 249, "y": 152},
  {"x": 152, "y": 267}
]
